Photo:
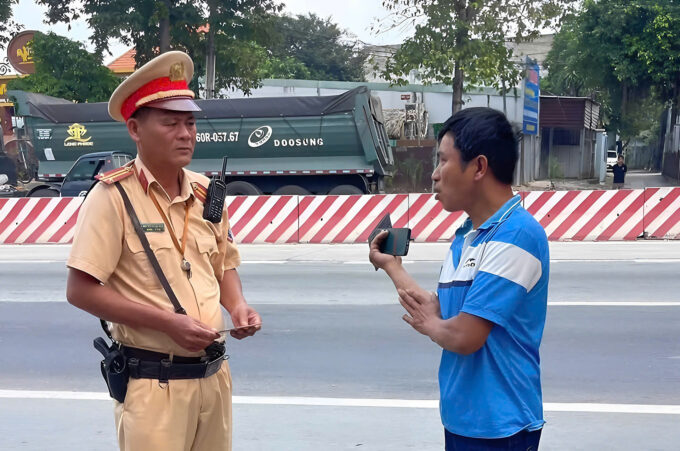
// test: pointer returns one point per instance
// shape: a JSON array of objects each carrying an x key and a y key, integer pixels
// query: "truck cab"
[{"x": 81, "y": 176}]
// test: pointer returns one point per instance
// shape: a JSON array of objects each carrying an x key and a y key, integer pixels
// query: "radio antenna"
[{"x": 224, "y": 168}]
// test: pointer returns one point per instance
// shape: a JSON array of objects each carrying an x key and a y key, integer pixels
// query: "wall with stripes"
[{"x": 599, "y": 215}]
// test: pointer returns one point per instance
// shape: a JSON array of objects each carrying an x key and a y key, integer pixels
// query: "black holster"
[{"x": 114, "y": 369}]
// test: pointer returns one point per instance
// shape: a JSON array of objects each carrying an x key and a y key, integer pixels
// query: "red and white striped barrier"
[
  {"x": 348, "y": 219},
  {"x": 38, "y": 220},
  {"x": 263, "y": 219},
  {"x": 566, "y": 216},
  {"x": 662, "y": 213},
  {"x": 588, "y": 215},
  {"x": 429, "y": 221}
]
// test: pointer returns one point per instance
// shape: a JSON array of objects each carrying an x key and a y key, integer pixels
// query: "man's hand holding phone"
[
  {"x": 379, "y": 259},
  {"x": 387, "y": 244}
]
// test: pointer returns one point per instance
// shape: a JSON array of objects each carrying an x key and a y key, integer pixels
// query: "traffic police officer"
[{"x": 111, "y": 277}]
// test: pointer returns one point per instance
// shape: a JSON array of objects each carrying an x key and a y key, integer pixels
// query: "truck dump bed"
[{"x": 341, "y": 134}]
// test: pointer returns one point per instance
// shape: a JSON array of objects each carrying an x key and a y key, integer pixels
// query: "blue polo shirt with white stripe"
[{"x": 498, "y": 272}]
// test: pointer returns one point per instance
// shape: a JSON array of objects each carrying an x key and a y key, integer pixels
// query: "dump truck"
[{"x": 280, "y": 145}]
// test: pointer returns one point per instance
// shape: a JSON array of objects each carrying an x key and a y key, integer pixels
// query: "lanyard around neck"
[{"x": 179, "y": 248}]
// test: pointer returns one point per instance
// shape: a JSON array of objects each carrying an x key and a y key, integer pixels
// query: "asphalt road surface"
[{"x": 335, "y": 367}]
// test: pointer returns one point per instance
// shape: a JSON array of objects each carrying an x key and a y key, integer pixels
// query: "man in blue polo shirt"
[{"x": 489, "y": 310}]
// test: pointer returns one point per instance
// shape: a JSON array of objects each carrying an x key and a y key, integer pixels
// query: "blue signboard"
[{"x": 531, "y": 99}]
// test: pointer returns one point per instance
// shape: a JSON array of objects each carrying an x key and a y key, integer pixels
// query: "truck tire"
[
  {"x": 344, "y": 190},
  {"x": 43, "y": 192},
  {"x": 292, "y": 190},
  {"x": 241, "y": 188}
]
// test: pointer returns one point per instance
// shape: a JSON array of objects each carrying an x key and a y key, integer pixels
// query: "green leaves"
[
  {"x": 624, "y": 54},
  {"x": 63, "y": 68},
  {"x": 455, "y": 39},
  {"x": 234, "y": 24},
  {"x": 249, "y": 39},
  {"x": 8, "y": 28},
  {"x": 313, "y": 48}
]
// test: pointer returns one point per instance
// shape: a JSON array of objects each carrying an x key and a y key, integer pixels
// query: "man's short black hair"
[
  {"x": 484, "y": 131},
  {"x": 141, "y": 113}
]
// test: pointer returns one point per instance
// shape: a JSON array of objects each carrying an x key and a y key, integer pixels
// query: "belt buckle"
[
  {"x": 164, "y": 374},
  {"x": 214, "y": 366}
]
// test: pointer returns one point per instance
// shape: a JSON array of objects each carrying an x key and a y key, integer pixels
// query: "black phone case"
[
  {"x": 397, "y": 242},
  {"x": 385, "y": 223}
]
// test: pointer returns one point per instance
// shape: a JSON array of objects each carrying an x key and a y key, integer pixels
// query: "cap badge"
[{"x": 177, "y": 72}]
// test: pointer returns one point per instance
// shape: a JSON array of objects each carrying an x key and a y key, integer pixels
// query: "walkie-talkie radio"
[{"x": 217, "y": 191}]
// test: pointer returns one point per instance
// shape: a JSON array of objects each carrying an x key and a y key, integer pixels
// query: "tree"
[
  {"x": 63, "y": 68},
  {"x": 234, "y": 28},
  {"x": 459, "y": 41},
  {"x": 228, "y": 28},
  {"x": 146, "y": 24},
  {"x": 658, "y": 48},
  {"x": 287, "y": 67},
  {"x": 624, "y": 54},
  {"x": 313, "y": 48},
  {"x": 7, "y": 26}
]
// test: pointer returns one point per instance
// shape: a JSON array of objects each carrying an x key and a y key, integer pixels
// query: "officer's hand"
[
  {"x": 380, "y": 260},
  {"x": 190, "y": 333},
  {"x": 245, "y": 315}
]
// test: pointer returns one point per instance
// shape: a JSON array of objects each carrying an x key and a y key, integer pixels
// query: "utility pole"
[
  {"x": 210, "y": 65},
  {"x": 165, "y": 28}
]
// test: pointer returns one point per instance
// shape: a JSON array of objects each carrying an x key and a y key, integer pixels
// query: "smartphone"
[{"x": 397, "y": 242}]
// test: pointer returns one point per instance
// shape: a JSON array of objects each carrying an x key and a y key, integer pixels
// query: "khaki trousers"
[{"x": 182, "y": 415}]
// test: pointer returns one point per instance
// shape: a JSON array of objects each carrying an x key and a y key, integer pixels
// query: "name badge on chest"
[{"x": 153, "y": 227}]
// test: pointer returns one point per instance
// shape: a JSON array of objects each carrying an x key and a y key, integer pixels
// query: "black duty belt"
[{"x": 144, "y": 364}]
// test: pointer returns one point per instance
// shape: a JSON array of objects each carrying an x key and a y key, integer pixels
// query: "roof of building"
[{"x": 124, "y": 64}]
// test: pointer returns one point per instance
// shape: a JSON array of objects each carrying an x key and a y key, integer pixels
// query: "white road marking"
[
  {"x": 657, "y": 260},
  {"x": 660, "y": 409}
]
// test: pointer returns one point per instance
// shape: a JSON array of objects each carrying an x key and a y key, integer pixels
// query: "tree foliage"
[
  {"x": 311, "y": 47},
  {"x": 625, "y": 55},
  {"x": 63, "y": 68},
  {"x": 232, "y": 26},
  {"x": 249, "y": 39},
  {"x": 457, "y": 41},
  {"x": 8, "y": 27}
]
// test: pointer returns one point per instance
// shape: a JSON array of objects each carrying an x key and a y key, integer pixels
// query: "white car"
[{"x": 611, "y": 159}]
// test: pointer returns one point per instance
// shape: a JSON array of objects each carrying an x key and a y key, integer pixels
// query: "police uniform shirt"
[{"x": 107, "y": 247}]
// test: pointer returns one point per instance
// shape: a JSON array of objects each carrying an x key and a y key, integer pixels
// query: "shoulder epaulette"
[
  {"x": 116, "y": 175},
  {"x": 200, "y": 191}
]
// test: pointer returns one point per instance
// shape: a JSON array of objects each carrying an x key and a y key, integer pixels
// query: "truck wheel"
[
  {"x": 292, "y": 190},
  {"x": 44, "y": 192},
  {"x": 241, "y": 188},
  {"x": 344, "y": 190}
]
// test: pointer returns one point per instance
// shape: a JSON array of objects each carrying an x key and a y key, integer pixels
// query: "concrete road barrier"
[{"x": 598, "y": 215}]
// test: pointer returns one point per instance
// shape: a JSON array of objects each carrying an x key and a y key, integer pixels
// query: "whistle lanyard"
[{"x": 186, "y": 266}]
